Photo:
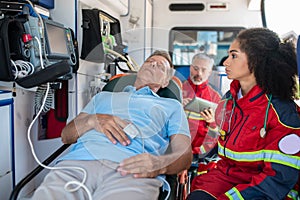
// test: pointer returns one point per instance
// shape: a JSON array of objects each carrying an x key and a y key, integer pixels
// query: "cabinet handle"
[{"x": 2, "y": 175}]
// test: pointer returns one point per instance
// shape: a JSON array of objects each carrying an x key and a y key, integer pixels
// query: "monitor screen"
[{"x": 57, "y": 41}]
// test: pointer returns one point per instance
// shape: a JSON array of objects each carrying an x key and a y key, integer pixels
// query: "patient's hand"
[
  {"x": 112, "y": 127},
  {"x": 141, "y": 166}
]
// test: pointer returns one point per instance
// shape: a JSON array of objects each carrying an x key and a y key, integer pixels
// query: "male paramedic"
[
  {"x": 124, "y": 141},
  {"x": 197, "y": 85}
]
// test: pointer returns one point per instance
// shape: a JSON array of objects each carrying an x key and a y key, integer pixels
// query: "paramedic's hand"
[
  {"x": 141, "y": 166},
  {"x": 186, "y": 101},
  {"x": 208, "y": 115},
  {"x": 112, "y": 127}
]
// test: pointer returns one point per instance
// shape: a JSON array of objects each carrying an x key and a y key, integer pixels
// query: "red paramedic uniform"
[
  {"x": 198, "y": 126},
  {"x": 255, "y": 164}
]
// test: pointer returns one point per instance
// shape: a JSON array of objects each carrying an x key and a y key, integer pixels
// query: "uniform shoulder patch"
[{"x": 290, "y": 144}]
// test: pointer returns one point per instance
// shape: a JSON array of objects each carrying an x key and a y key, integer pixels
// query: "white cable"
[
  {"x": 79, "y": 184},
  {"x": 133, "y": 62},
  {"x": 39, "y": 96},
  {"x": 25, "y": 66},
  {"x": 121, "y": 56},
  {"x": 167, "y": 184},
  {"x": 40, "y": 51},
  {"x": 42, "y": 28},
  {"x": 22, "y": 68},
  {"x": 16, "y": 69}
]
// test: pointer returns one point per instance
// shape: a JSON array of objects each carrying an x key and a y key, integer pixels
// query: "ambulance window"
[
  {"x": 185, "y": 42},
  {"x": 282, "y": 17}
]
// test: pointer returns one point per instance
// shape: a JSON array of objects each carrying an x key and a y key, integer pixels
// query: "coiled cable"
[
  {"x": 22, "y": 68},
  {"x": 68, "y": 184},
  {"x": 39, "y": 97}
]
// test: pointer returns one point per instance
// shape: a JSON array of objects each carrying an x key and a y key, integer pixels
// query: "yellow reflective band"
[
  {"x": 193, "y": 115},
  {"x": 293, "y": 194},
  {"x": 202, "y": 172},
  {"x": 261, "y": 155},
  {"x": 202, "y": 149},
  {"x": 234, "y": 194}
]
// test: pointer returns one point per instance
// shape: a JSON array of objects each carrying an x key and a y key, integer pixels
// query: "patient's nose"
[{"x": 153, "y": 63}]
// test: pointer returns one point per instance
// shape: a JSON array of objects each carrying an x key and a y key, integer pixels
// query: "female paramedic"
[{"x": 259, "y": 123}]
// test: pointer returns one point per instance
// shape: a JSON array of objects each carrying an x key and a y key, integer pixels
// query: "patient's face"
[{"x": 154, "y": 71}]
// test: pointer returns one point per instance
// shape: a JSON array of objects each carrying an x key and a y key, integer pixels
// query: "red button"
[{"x": 26, "y": 38}]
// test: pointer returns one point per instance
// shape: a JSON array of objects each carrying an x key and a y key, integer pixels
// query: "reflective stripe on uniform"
[
  {"x": 234, "y": 194},
  {"x": 193, "y": 115},
  {"x": 262, "y": 155},
  {"x": 202, "y": 149},
  {"x": 293, "y": 194}
]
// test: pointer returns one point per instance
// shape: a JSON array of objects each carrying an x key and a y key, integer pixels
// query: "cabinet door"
[
  {"x": 5, "y": 186},
  {"x": 5, "y": 142}
]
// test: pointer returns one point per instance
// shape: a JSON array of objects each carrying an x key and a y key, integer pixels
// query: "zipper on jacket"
[
  {"x": 228, "y": 135},
  {"x": 240, "y": 129},
  {"x": 235, "y": 124}
]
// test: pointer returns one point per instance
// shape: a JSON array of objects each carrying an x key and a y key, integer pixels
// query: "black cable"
[{"x": 263, "y": 13}]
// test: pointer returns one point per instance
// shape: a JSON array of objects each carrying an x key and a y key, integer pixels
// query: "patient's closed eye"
[{"x": 158, "y": 64}]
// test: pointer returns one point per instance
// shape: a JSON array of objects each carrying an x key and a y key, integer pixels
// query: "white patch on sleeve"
[{"x": 290, "y": 144}]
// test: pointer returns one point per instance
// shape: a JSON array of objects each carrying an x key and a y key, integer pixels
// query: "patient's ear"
[
  {"x": 165, "y": 83},
  {"x": 170, "y": 73}
]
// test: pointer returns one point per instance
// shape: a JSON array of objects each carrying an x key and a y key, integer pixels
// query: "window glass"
[
  {"x": 185, "y": 42},
  {"x": 283, "y": 16}
]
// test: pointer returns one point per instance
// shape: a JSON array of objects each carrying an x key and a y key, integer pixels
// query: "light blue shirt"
[{"x": 156, "y": 119}]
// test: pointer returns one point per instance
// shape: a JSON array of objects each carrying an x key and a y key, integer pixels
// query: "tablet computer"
[{"x": 198, "y": 104}]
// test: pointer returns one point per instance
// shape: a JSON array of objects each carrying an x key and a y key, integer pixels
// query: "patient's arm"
[
  {"x": 179, "y": 155},
  {"x": 76, "y": 128},
  {"x": 111, "y": 126},
  {"x": 177, "y": 158}
]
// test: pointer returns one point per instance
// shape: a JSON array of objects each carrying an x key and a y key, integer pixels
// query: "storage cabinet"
[{"x": 6, "y": 143}]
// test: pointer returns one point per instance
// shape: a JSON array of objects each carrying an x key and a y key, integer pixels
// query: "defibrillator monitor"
[{"x": 56, "y": 41}]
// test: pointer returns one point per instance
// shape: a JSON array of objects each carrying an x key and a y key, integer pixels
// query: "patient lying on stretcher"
[{"x": 123, "y": 142}]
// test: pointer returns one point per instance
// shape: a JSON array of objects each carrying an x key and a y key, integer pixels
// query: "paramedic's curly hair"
[{"x": 274, "y": 63}]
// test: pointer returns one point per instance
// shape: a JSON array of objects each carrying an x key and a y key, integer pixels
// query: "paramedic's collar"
[{"x": 143, "y": 90}]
